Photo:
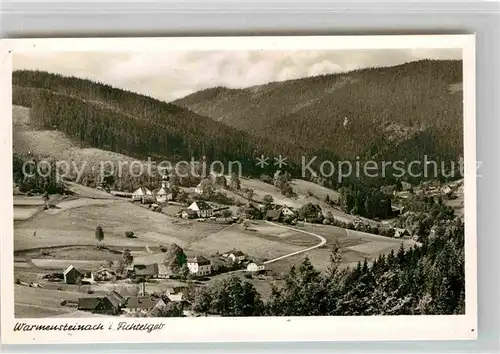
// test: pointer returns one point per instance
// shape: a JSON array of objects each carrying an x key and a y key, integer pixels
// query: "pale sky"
[{"x": 171, "y": 75}]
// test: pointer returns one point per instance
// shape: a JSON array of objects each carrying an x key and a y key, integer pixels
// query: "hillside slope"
[
  {"x": 366, "y": 112},
  {"x": 124, "y": 122},
  {"x": 83, "y": 161}
]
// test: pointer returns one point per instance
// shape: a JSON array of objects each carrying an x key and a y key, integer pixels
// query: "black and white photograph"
[{"x": 215, "y": 180}]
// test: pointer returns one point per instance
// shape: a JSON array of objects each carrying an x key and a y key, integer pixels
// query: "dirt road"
[{"x": 321, "y": 238}]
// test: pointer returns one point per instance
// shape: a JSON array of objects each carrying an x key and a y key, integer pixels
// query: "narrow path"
[{"x": 322, "y": 239}]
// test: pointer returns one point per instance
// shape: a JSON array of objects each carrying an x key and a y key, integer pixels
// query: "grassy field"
[
  {"x": 305, "y": 187},
  {"x": 302, "y": 188},
  {"x": 76, "y": 226},
  {"x": 355, "y": 246},
  {"x": 51, "y": 240},
  {"x": 25, "y": 212},
  {"x": 253, "y": 242},
  {"x": 37, "y": 302}
]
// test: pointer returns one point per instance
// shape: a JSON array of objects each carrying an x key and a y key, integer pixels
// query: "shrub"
[{"x": 129, "y": 234}]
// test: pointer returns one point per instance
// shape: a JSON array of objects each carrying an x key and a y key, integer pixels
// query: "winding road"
[{"x": 321, "y": 238}]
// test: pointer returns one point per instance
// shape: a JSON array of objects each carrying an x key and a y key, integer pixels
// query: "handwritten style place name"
[
  {"x": 124, "y": 326},
  {"x": 24, "y": 327},
  {"x": 121, "y": 326}
]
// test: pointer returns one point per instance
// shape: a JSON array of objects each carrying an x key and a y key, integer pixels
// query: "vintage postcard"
[{"x": 238, "y": 189}]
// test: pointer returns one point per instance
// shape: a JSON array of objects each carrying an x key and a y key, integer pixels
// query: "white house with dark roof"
[
  {"x": 287, "y": 211},
  {"x": 399, "y": 233},
  {"x": 236, "y": 256},
  {"x": 163, "y": 195},
  {"x": 254, "y": 267},
  {"x": 199, "y": 265},
  {"x": 202, "y": 209}
]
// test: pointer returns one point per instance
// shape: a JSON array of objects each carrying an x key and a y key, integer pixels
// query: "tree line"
[
  {"x": 139, "y": 126},
  {"x": 421, "y": 280}
]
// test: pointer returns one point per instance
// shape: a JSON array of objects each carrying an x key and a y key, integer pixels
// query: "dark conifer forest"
[
  {"x": 423, "y": 280},
  {"x": 402, "y": 112}
]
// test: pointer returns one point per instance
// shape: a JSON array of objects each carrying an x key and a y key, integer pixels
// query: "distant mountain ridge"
[
  {"x": 348, "y": 114},
  {"x": 401, "y": 112}
]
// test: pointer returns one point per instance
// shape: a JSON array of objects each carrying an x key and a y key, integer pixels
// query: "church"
[{"x": 164, "y": 193}]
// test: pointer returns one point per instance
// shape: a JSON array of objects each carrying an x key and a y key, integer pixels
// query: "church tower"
[{"x": 165, "y": 182}]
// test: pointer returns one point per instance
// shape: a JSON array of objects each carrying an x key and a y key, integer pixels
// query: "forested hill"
[
  {"x": 365, "y": 113},
  {"x": 121, "y": 121},
  {"x": 393, "y": 113}
]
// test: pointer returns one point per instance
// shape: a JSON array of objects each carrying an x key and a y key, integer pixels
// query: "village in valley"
[
  {"x": 140, "y": 275},
  {"x": 116, "y": 212}
]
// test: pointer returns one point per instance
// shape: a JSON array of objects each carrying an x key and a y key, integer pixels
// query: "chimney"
[{"x": 143, "y": 288}]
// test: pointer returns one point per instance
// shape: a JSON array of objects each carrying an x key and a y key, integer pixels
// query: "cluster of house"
[
  {"x": 71, "y": 275},
  {"x": 398, "y": 232},
  {"x": 402, "y": 233},
  {"x": 160, "y": 195},
  {"x": 113, "y": 303},
  {"x": 277, "y": 213},
  {"x": 429, "y": 188},
  {"x": 213, "y": 180},
  {"x": 447, "y": 190},
  {"x": 198, "y": 209},
  {"x": 197, "y": 265},
  {"x": 240, "y": 257}
]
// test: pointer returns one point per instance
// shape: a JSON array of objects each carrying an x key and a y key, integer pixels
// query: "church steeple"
[{"x": 165, "y": 182}]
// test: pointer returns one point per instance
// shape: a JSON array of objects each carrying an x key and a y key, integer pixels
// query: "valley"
[{"x": 82, "y": 234}]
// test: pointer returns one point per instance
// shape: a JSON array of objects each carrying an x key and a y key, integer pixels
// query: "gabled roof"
[
  {"x": 401, "y": 232},
  {"x": 89, "y": 303},
  {"x": 160, "y": 191},
  {"x": 70, "y": 268},
  {"x": 143, "y": 191},
  {"x": 200, "y": 205},
  {"x": 237, "y": 253},
  {"x": 116, "y": 299},
  {"x": 142, "y": 302},
  {"x": 200, "y": 260}
]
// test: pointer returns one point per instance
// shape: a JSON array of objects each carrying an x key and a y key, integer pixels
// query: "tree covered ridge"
[
  {"x": 427, "y": 279},
  {"x": 382, "y": 114},
  {"x": 132, "y": 124},
  {"x": 345, "y": 114}
]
